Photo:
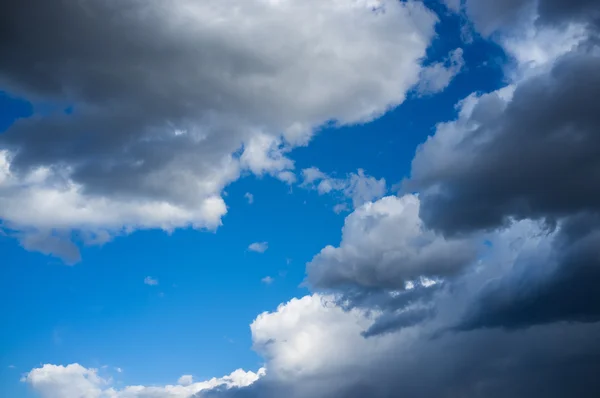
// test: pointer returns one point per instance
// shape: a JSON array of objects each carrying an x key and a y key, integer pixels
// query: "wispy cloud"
[
  {"x": 259, "y": 247},
  {"x": 249, "y": 197},
  {"x": 150, "y": 281},
  {"x": 267, "y": 280}
]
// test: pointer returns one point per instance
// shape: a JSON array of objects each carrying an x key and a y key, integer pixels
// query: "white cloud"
[
  {"x": 535, "y": 48},
  {"x": 357, "y": 187},
  {"x": 436, "y": 77},
  {"x": 453, "y": 5},
  {"x": 259, "y": 247},
  {"x": 249, "y": 197},
  {"x": 340, "y": 208},
  {"x": 76, "y": 381},
  {"x": 267, "y": 280},
  {"x": 185, "y": 380},
  {"x": 150, "y": 281},
  {"x": 311, "y": 335},
  {"x": 240, "y": 90}
]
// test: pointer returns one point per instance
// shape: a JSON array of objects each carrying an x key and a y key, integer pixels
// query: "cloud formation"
[
  {"x": 358, "y": 187},
  {"x": 481, "y": 281},
  {"x": 437, "y": 76},
  {"x": 534, "y": 154},
  {"x": 74, "y": 380},
  {"x": 258, "y": 247},
  {"x": 145, "y": 132}
]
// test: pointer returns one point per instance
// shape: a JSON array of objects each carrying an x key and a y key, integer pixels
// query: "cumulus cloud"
[
  {"x": 389, "y": 261},
  {"x": 76, "y": 381},
  {"x": 385, "y": 244},
  {"x": 314, "y": 349},
  {"x": 259, "y": 247},
  {"x": 357, "y": 187},
  {"x": 185, "y": 380},
  {"x": 159, "y": 123}
]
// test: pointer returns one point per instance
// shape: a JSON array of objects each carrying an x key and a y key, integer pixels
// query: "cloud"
[
  {"x": 259, "y": 247},
  {"x": 453, "y": 5},
  {"x": 185, "y": 380},
  {"x": 340, "y": 208},
  {"x": 249, "y": 197},
  {"x": 490, "y": 16},
  {"x": 556, "y": 282},
  {"x": 389, "y": 261},
  {"x": 51, "y": 244},
  {"x": 267, "y": 280},
  {"x": 314, "y": 349},
  {"x": 357, "y": 187},
  {"x": 76, "y": 381},
  {"x": 533, "y": 154},
  {"x": 195, "y": 97},
  {"x": 150, "y": 281},
  {"x": 311, "y": 336},
  {"x": 385, "y": 244},
  {"x": 436, "y": 77}
]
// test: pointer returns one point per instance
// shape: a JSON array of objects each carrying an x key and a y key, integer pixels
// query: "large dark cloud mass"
[
  {"x": 536, "y": 157},
  {"x": 490, "y": 16},
  {"x": 561, "y": 286}
]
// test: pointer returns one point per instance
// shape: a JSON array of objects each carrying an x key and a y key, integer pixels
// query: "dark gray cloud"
[
  {"x": 388, "y": 261},
  {"x": 555, "y": 362},
  {"x": 561, "y": 286},
  {"x": 537, "y": 156},
  {"x": 490, "y": 16}
]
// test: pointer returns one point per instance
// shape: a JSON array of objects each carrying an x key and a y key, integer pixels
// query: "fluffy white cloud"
[
  {"x": 259, "y": 247},
  {"x": 185, "y": 380},
  {"x": 206, "y": 91},
  {"x": 76, "y": 381},
  {"x": 313, "y": 336}
]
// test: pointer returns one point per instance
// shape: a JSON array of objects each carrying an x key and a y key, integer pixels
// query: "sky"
[{"x": 317, "y": 198}]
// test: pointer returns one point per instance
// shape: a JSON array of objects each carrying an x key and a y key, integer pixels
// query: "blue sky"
[{"x": 206, "y": 285}]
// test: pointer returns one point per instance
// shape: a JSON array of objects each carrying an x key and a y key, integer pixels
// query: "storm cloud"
[{"x": 536, "y": 155}]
